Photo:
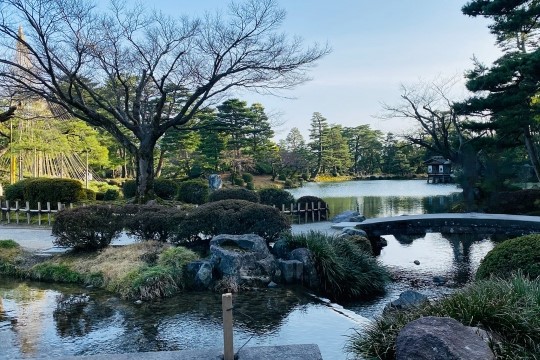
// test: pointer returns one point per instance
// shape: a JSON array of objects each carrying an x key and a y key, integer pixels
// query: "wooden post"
[
  {"x": 319, "y": 210},
  {"x": 28, "y": 212},
  {"x": 7, "y": 212},
  {"x": 228, "y": 348},
  {"x": 312, "y": 212},
  {"x": 49, "y": 212},
  {"x": 17, "y": 211},
  {"x": 39, "y": 212}
]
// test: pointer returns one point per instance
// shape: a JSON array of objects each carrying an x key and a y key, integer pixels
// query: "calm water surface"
[{"x": 39, "y": 320}]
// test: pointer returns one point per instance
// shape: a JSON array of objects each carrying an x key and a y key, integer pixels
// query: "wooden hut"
[{"x": 438, "y": 170}]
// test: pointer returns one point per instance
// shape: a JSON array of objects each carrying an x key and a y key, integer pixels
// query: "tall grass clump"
[
  {"x": 509, "y": 308},
  {"x": 345, "y": 270},
  {"x": 10, "y": 255}
]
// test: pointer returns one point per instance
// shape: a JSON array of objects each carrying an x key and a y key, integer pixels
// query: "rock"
[
  {"x": 439, "y": 280},
  {"x": 309, "y": 274},
  {"x": 280, "y": 249},
  {"x": 245, "y": 257},
  {"x": 440, "y": 338},
  {"x": 345, "y": 216},
  {"x": 215, "y": 182},
  {"x": 416, "y": 262},
  {"x": 272, "y": 285},
  {"x": 200, "y": 273},
  {"x": 358, "y": 218},
  {"x": 354, "y": 231},
  {"x": 407, "y": 300},
  {"x": 291, "y": 271}
]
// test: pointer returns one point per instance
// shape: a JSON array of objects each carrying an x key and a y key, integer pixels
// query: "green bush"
[
  {"x": 193, "y": 191},
  {"x": 46, "y": 190},
  {"x": 345, "y": 270},
  {"x": 87, "y": 228},
  {"x": 129, "y": 188},
  {"x": 51, "y": 272},
  {"x": 247, "y": 177},
  {"x": 250, "y": 186},
  {"x": 8, "y": 244},
  {"x": 289, "y": 184},
  {"x": 276, "y": 197},
  {"x": 111, "y": 195},
  {"x": 234, "y": 194},
  {"x": 282, "y": 177},
  {"x": 316, "y": 201},
  {"x": 232, "y": 217},
  {"x": 165, "y": 188},
  {"x": 508, "y": 308},
  {"x": 238, "y": 182},
  {"x": 152, "y": 222},
  {"x": 90, "y": 194},
  {"x": 522, "y": 253}
]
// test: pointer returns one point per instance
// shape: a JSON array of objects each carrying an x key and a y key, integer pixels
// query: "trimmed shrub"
[
  {"x": 129, "y": 188},
  {"x": 232, "y": 217},
  {"x": 153, "y": 222},
  {"x": 165, "y": 188},
  {"x": 43, "y": 190},
  {"x": 234, "y": 194},
  {"x": 238, "y": 182},
  {"x": 111, "y": 195},
  {"x": 522, "y": 253},
  {"x": 86, "y": 228},
  {"x": 193, "y": 191},
  {"x": 282, "y": 177},
  {"x": 345, "y": 270},
  {"x": 250, "y": 186},
  {"x": 247, "y": 177},
  {"x": 90, "y": 194},
  {"x": 275, "y": 197},
  {"x": 508, "y": 308},
  {"x": 8, "y": 244}
]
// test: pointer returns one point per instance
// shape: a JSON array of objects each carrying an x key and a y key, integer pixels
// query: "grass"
[
  {"x": 145, "y": 270},
  {"x": 508, "y": 308},
  {"x": 345, "y": 270}
]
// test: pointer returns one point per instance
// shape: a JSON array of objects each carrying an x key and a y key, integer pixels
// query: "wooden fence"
[
  {"x": 11, "y": 213},
  {"x": 306, "y": 211}
]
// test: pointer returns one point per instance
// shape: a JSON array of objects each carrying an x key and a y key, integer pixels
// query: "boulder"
[
  {"x": 440, "y": 338},
  {"x": 353, "y": 231},
  {"x": 309, "y": 275},
  {"x": 280, "y": 249},
  {"x": 291, "y": 271},
  {"x": 243, "y": 257},
  {"x": 215, "y": 182},
  {"x": 407, "y": 300},
  {"x": 200, "y": 273},
  {"x": 345, "y": 216}
]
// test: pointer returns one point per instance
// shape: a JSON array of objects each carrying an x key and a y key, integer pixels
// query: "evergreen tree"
[
  {"x": 318, "y": 134},
  {"x": 337, "y": 157}
]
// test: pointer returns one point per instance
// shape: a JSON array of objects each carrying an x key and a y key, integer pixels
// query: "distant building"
[{"x": 438, "y": 170}]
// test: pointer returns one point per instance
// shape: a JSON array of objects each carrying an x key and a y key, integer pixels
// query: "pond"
[
  {"x": 377, "y": 198},
  {"x": 49, "y": 320}
]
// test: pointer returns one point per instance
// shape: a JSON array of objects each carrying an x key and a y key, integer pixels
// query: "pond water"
[
  {"x": 377, "y": 198},
  {"x": 39, "y": 319}
]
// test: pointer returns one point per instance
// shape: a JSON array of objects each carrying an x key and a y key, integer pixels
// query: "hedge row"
[
  {"x": 94, "y": 227},
  {"x": 43, "y": 190}
]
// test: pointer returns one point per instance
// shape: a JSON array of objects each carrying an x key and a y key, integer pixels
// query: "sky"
[{"x": 376, "y": 47}]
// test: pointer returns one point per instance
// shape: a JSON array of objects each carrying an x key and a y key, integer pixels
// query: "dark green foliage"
[
  {"x": 282, "y": 177},
  {"x": 238, "y": 182},
  {"x": 522, "y": 253},
  {"x": 508, "y": 308},
  {"x": 232, "y": 217},
  {"x": 8, "y": 244},
  {"x": 51, "y": 272},
  {"x": 87, "y": 228},
  {"x": 193, "y": 191},
  {"x": 165, "y": 188},
  {"x": 289, "y": 184},
  {"x": 46, "y": 190},
  {"x": 234, "y": 193},
  {"x": 129, "y": 188},
  {"x": 514, "y": 202},
  {"x": 90, "y": 194},
  {"x": 152, "y": 222},
  {"x": 247, "y": 177},
  {"x": 316, "y": 201},
  {"x": 362, "y": 242},
  {"x": 250, "y": 186},
  {"x": 276, "y": 197},
  {"x": 111, "y": 195},
  {"x": 345, "y": 270}
]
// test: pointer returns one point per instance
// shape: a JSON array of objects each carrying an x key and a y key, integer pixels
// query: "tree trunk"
[
  {"x": 160, "y": 163},
  {"x": 145, "y": 170},
  {"x": 532, "y": 152}
]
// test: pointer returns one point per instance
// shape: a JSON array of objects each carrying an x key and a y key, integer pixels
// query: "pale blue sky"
[{"x": 377, "y": 45}]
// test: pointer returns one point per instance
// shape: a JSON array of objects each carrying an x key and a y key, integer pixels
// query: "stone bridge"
[{"x": 407, "y": 227}]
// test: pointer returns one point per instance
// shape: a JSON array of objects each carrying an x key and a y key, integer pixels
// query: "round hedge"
[
  {"x": 234, "y": 194},
  {"x": 276, "y": 197},
  {"x": 522, "y": 253},
  {"x": 193, "y": 191}
]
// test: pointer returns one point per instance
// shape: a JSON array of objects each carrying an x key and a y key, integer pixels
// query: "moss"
[{"x": 522, "y": 253}]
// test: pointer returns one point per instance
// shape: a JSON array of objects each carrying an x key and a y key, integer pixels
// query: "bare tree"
[{"x": 136, "y": 73}]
